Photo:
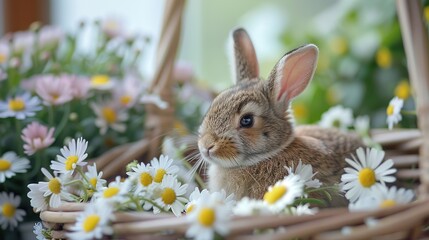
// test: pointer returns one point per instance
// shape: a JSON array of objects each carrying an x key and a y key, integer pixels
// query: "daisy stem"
[
  {"x": 79, "y": 170},
  {"x": 154, "y": 204},
  {"x": 136, "y": 202},
  {"x": 322, "y": 189},
  {"x": 63, "y": 120},
  {"x": 73, "y": 182},
  {"x": 409, "y": 112},
  {"x": 18, "y": 133},
  {"x": 38, "y": 164},
  {"x": 51, "y": 116}
]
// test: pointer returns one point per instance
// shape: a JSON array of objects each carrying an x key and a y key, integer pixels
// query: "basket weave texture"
[{"x": 409, "y": 149}]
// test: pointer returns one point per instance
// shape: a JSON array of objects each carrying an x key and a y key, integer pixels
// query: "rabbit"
[{"x": 247, "y": 136}]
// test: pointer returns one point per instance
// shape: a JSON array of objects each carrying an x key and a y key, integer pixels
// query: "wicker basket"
[{"x": 409, "y": 149}]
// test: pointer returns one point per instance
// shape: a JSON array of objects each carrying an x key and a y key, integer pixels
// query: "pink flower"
[
  {"x": 183, "y": 72},
  {"x": 79, "y": 86},
  {"x": 54, "y": 90},
  {"x": 36, "y": 136}
]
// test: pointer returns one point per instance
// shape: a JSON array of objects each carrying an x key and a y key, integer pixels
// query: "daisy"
[
  {"x": 154, "y": 99},
  {"x": 54, "y": 90},
  {"x": 94, "y": 222},
  {"x": 144, "y": 176},
  {"x": 10, "y": 164},
  {"x": 53, "y": 189},
  {"x": 383, "y": 197},
  {"x": 368, "y": 170},
  {"x": 101, "y": 82},
  {"x": 109, "y": 116},
  {"x": 361, "y": 125},
  {"x": 113, "y": 193},
  {"x": 249, "y": 207},
  {"x": 127, "y": 94},
  {"x": 305, "y": 173},
  {"x": 20, "y": 106},
  {"x": 36, "y": 137},
  {"x": 163, "y": 165},
  {"x": 171, "y": 195},
  {"x": 72, "y": 156},
  {"x": 283, "y": 193},
  {"x": 112, "y": 27},
  {"x": 10, "y": 215},
  {"x": 209, "y": 216},
  {"x": 193, "y": 198},
  {"x": 303, "y": 210},
  {"x": 37, "y": 200},
  {"x": 393, "y": 111},
  {"x": 94, "y": 178},
  {"x": 338, "y": 117},
  {"x": 39, "y": 231}
]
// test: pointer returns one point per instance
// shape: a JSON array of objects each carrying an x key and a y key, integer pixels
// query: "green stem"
[
  {"x": 37, "y": 166},
  {"x": 405, "y": 112},
  {"x": 63, "y": 121},
  {"x": 79, "y": 170},
  {"x": 153, "y": 203},
  {"x": 136, "y": 202},
  {"x": 51, "y": 116},
  {"x": 18, "y": 133},
  {"x": 322, "y": 189}
]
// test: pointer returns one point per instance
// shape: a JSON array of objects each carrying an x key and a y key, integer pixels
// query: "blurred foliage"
[{"x": 362, "y": 63}]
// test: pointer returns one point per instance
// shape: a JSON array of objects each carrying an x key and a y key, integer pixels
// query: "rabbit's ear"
[
  {"x": 245, "y": 61},
  {"x": 292, "y": 74}
]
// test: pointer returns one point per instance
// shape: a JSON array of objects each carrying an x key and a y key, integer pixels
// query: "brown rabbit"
[{"x": 247, "y": 136}]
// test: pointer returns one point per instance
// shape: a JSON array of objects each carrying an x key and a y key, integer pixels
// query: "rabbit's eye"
[{"x": 246, "y": 121}]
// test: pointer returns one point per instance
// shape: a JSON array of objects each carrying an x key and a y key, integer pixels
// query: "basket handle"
[{"x": 415, "y": 38}]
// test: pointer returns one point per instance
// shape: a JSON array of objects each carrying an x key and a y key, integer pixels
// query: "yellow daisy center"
[
  {"x": 159, "y": 175},
  {"x": 427, "y": 13},
  {"x": 109, "y": 114},
  {"x": 190, "y": 208},
  {"x": 93, "y": 182},
  {"x": 71, "y": 160},
  {"x": 8, "y": 210},
  {"x": 207, "y": 217},
  {"x": 4, "y": 164},
  {"x": 339, "y": 45},
  {"x": 125, "y": 100},
  {"x": 16, "y": 104},
  {"x": 384, "y": 58},
  {"x": 100, "y": 80},
  {"x": 403, "y": 90},
  {"x": 367, "y": 177},
  {"x": 54, "y": 186},
  {"x": 389, "y": 110},
  {"x": 110, "y": 192},
  {"x": 387, "y": 203},
  {"x": 3, "y": 58},
  {"x": 145, "y": 179},
  {"x": 275, "y": 194},
  {"x": 168, "y": 196},
  {"x": 91, "y": 222}
]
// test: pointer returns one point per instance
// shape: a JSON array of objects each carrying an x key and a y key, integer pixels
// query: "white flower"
[
  {"x": 368, "y": 170},
  {"x": 283, "y": 193},
  {"x": 72, "y": 156},
  {"x": 305, "y": 173},
  {"x": 303, "y": 210},
  {"x": 361, "y": 125},
  {"x": 113, "y": 193},
  {"x": 143, "y": 175},
  {"x": 382, "y": 197},
  {"x": 109, "y": 116},
  {"x": 94, "y": 178},
  {"x": 154, "y": 99},
  {"x": 171, "y": 195},
  {"x": 20, "y": 106},
  {"x": 338, "y": 117},
  {"x": 162, "y": 166},
  {"x": 54, "y": 188},
  {"x": 193, "y": 198},
  {"x": 37, "y": 200},
  {"x": 93, "y": 222},
  {"x": 393, "y": 111},
  {"x": 10, "y": 215},
  {"x": 10, "y": 164},
  {"x": 249, "y": 207},
  {"x": 102, "y": 82},
  {"x": 211, "y": 215},
  {"x": 38, "y": 230}
]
